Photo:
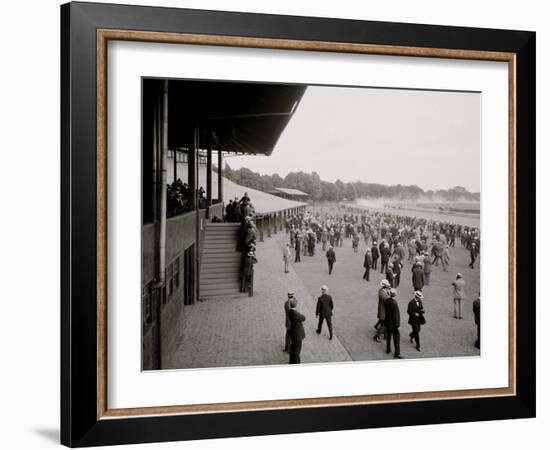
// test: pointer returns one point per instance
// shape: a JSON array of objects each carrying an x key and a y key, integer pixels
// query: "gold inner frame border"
[{"x": 105, "y": 35}]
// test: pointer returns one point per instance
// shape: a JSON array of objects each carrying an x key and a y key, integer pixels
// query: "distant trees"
[{"x": 321, "y": 190}]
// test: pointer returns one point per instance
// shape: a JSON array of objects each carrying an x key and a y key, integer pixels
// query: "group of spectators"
[
  {"x": 246, "y": 244},
  {"x": 178, "y": 200},
  {"x": 394, "y": 240}
]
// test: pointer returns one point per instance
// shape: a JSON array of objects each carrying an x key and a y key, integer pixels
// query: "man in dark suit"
[
  {"x": 367, "y": 264},
  {"x": 393, "y": 322},
  {"x": 331, "y": 258},
  {"x": 375, "y": 255},
  {"x": 415, "y": 310},
  {"x": 417, "y": 277},
  {"x": 297, "y": 247},
  {"x": 383, "y": 295},
  {"x": 287, "y": 321},
  {"x": 324, "y": 310},
  {"x": 477, "y": 319},
  {"x": 297, "y": 333}
]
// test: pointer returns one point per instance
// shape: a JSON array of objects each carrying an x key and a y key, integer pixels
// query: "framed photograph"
[{"x": 278, "y": 224}]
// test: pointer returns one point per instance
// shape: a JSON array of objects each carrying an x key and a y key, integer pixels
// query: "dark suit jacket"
[
  {"x": 476, "y": 311},
  {"x": 331, "y": 256},
  {"x": 374, "y": 251},
  {"x": 287, "y": 319},
  {"x": 389, "y": 276},
  {"x": 418, "y": 278},
  {"x": 383, "y": 295},
  {"x": 412, "y": 310},
  {"x": 368, "y": 260},
  {"x": 393, "y": 318},
  {"x": 297, "y": 332},
  {"x": 324, "y": 306}
]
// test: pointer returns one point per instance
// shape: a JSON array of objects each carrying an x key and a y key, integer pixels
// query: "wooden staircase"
[{"x": 220, "y": 263}]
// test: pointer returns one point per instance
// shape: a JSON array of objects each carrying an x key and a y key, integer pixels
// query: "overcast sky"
[{"x": 387, "y": 136}]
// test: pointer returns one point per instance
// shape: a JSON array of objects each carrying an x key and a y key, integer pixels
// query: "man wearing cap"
[
  {"x": 393, "y": 322},
  {"x": 290, "y": 296},
  {"x": 458, "y": 286},
  {"x": 383, "y": 295},
  {"x": 297, "y": 333},
  {"x": 415, "y": 310}
]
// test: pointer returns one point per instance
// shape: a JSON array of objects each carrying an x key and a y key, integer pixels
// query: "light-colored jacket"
[{"x": 458, "y": 285}]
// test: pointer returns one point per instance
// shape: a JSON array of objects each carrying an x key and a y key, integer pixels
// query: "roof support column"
[
  {"x": 209, "y": 177},
  {"x": 220, "y": 176}
]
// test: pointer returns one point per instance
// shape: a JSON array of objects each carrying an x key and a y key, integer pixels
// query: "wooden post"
[
  {"x": 191, "y": 170},
  {"x": 174, "y": 153},
  {"x": 209, "y": 177},
  {"x": 196, "y": 147},
  {"x": 268, "y": 217},
  {"x": 275, "y": 223},
  {"x": 220, "y": 176},
  {"x": 261, "y": 228}
]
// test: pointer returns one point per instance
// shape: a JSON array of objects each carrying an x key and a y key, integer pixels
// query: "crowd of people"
[
  {"x": 243, "y": 212},
  {"x": 394, "y": 240},
  {"x": 178, "y": 200}
]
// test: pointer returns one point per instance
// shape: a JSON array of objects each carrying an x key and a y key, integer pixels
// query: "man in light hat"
[
  {"x": 415, "y": 310},
  {"x": 297, "y": 333},
  {"x": 324, "y": 310},
  {"x": 290, "y": 296},
  {"x": 393, "y": 322},
  {"x": 286, "y": 256},
  {"x": 458, "y": 295},
  {"x": 383, "y": 295}
]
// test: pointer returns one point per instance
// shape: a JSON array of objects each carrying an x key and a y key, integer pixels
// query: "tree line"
[{"x": 320, "y": 190}]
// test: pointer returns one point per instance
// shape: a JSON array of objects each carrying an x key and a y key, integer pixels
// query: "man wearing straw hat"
[
  {"x": 383, "y": 295},
  {"x": 415, "y": 310}
]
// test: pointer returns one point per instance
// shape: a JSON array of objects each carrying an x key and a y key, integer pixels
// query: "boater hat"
[
  {"x": 385, "y": 283},
  {"x": 323, "y": 288},
  {"x": 290, "y": 294},
  {"x": 418, "y": 294}
]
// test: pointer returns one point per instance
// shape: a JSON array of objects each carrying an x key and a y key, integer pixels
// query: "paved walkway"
[
  {"x": 356, "y": 303},
  {"x": 246, "y": 331}
]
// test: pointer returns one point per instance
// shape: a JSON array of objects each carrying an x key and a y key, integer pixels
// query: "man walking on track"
[
  {"x": 324, "y": 310},
  {"x": 383, "y": 295},
  {"x": 297, "y": 333},
  {"x": 393, "y": 322},
  {"x": 331, "y": 258},
  {"x": 287, "y": 321},
  {"x": 415, "y": 310}
]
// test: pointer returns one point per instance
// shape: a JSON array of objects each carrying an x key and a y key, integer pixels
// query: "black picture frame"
[{"x": 80, "y": 425}]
